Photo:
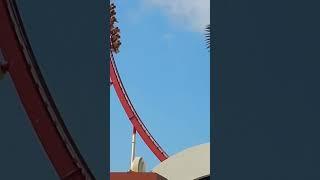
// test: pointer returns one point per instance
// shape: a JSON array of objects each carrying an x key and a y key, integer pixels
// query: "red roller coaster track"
[
  {"x": 36, "y": 98},
  {"x": 132, "y": 114},
  {"x": 115, "y": 80}
]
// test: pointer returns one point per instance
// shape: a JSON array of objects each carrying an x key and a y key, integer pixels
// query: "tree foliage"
[{"x": 207, "y": 35}]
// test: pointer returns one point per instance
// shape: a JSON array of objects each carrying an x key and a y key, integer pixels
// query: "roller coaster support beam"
[{"x": 133, "y": 145}]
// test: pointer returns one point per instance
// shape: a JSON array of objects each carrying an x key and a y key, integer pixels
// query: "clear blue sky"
[{"x": 164, "y": 65}]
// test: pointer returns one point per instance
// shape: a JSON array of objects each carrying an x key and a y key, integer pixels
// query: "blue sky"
[{"x": 164, "y": 66}]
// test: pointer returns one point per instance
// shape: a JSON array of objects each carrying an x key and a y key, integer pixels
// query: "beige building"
[{"x": 190, "y": 164}]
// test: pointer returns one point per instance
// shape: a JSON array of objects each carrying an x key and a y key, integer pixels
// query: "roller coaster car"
[
  {"x": 112, "y": 6},
  {"x": 116, "y": 46},
  {"x": 115, "y": 30},
  {"x": 114, "y": 38},
  {"x": 113, "y": 20}
]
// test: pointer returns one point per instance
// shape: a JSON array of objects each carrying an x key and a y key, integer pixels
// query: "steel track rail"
[
  {"x": 36, "y": 98},
  {"x": 132, "y": 114}
]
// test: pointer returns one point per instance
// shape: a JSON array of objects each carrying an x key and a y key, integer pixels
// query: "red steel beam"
[
  {"x": 135, "y": 176},
  {"x": 36, "y": 99},
  {"x": 132, "y": 114}
]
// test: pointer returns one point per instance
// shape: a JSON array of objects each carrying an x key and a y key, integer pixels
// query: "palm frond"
[{"x": 207, "y": 36}]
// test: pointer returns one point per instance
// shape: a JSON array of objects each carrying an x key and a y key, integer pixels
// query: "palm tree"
[{"x": 207, "y": 35}]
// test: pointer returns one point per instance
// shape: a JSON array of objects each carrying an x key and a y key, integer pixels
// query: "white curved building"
[{"x": 190, "y": 164}]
